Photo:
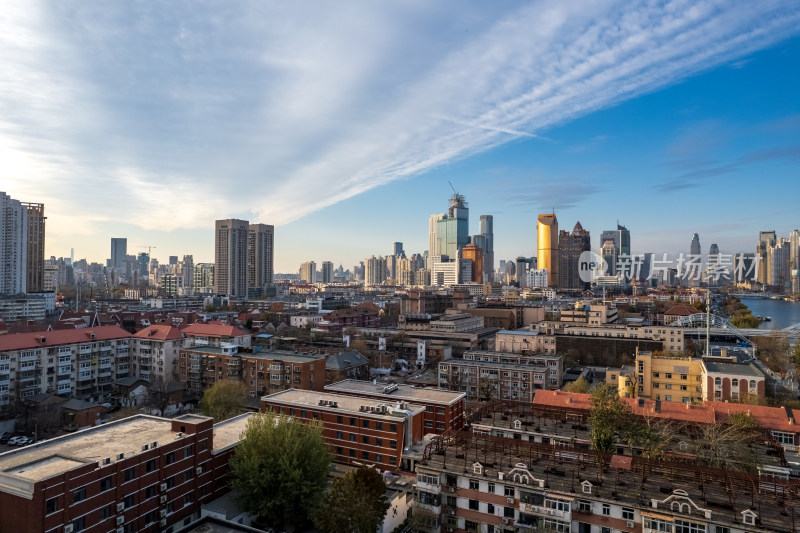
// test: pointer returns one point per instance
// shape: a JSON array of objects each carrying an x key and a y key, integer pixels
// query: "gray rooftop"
[
  {"x": 396, "y": 391},
  {"x": 733, "y": 368},
  {"x": 345, "y": 360}
]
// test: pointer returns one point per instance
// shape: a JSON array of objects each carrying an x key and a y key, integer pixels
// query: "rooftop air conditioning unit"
[
  {"x": 106, "y": 461},
  {"x": 120, "y": 520},
  {"x": 120, "y": 456},
  {"x": 121, "y": 506}
]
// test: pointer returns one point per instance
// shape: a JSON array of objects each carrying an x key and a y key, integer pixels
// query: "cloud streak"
[{"x": 169, "y": 116}]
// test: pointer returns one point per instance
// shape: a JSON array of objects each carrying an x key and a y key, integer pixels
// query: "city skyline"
[{"x": 594, "y": 128}]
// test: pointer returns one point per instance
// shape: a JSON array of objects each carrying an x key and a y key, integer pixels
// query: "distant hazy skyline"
[{"x": 341, "y": 124}]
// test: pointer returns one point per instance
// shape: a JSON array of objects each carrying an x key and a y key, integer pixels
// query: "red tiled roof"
[
  {"x": 159, "y": 333},
  {"x": 213, "y": 329},
  {"x": 21, "y": 341},
  {"x": 681, "y": 310},
  {"x": 706, "y": 413},
  {"x": 620, "y": 461}
]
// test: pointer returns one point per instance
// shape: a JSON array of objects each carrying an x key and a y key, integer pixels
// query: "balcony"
[
  {"x": 85, "y": 357},
  {"x": 426, "y": 487},
  {"x": 540, "y": 510},
  {"x": 104, "y": 374},
  {"x": 144, "y": 374},
  {"x": 122, "y": 350},
  {"x": 28, "y": 357},
  {"x": 5, "y": 377},
  {"x": 82, "y": 350}
]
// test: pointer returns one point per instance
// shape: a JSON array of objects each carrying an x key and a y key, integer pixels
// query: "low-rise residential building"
[
  {"x": 486, "y": 375},
  {"x": 216, "y": 334},
  {"x": 80, "y": 363},
  {"x": 443, "y": 409},
  {"x": 154, "y": 352},
  {"x": 525, "y": 341},
  {"x": 483, "y": 483},
  {"x": 677, "y": 378},
  {"x": 345, "y": 365},
  {"x": 260, "y": 372},
  {"x": 589, "y": 314},
  {"x": 139, "y": 474},
  {"x": 302, "y": 321},
  {"x": 731, "y": 381},
  {"x": 359, "y": 430}
]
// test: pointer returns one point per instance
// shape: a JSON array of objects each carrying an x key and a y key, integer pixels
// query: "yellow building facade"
[
  {"x": 547, "y": 247},
  {"x": 670, "y": 379}
]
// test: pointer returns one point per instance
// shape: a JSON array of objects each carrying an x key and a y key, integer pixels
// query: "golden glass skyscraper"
[{"x": 547, "y": 253}]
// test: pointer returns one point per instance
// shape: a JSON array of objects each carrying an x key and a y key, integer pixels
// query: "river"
[{"x": 783, "y": 313}]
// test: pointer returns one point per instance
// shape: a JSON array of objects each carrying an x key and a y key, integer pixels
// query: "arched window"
[
  {"x": 752, "y": 384},
  {"x": 735, "y": 382}
]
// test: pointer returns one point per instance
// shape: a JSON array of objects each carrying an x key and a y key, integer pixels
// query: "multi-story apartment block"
[
  {"x": 216, "y": 334},
  {"x": 79, "y": 363},
  {"x": 154, "y": 352},
  {"x": 478, "y": 482},
  {"x": 616, "y": 337},
  {"x": 13, "y": 245},
  {"x": 444, "y": 410},
  {"x": 359, "y": 430},
  {"x": 260, "y": 255},
  {"x": 138, "y": 474},
  {"x": 261, "y": 373},
  {"x": 486, "y": 375}
]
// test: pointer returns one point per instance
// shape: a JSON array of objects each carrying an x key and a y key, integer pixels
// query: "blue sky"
[{"x": 342, "y": 124}]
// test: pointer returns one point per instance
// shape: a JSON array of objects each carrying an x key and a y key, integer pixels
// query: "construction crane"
[{"x": 149, "y": 249}]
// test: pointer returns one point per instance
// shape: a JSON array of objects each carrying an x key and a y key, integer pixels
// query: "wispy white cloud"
[{"x": 168, "y": 115}]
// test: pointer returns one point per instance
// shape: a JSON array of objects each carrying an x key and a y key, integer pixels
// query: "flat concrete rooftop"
[
  {"x": 344, "y": 403},
  {"x": 402, "y": 392}
]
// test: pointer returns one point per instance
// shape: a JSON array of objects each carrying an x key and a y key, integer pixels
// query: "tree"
[
  {"x": 280, "y": 469},
  {"x": 487, "y": 388},
  {"x": 223, "y": 400},
  {"x": 579, "y": 385},
  {"x": 727, "y": 445},
  {"x": 607, "y": 416},
  {"x": 356, "y": 503}
]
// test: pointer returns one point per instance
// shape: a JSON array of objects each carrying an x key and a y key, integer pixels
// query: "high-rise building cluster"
[
  {"x": 22, "y": 231},
  {"x": 778, "y": 261}
]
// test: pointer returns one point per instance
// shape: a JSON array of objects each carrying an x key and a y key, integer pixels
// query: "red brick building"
[
  {"x": 261, "y": 373},
  {"x": 216, "y": 334},
  {"x": 443, "y": 409},
  {"x": 139, "y": 474},
  {"x": 359, "y": 430}
]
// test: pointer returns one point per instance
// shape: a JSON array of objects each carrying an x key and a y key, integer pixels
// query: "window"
[
  {"x": 106, "y": 511},
  {"x": 378, "y": 441},
  {"x": 783, "y": 438},
  {"x": 169, "y": 458},
  {"x": 473, "y": 505},
  {"x": 339, "y": 419},
  {"x": 668, "y": 398},
  {"x": 669, "y": 375},
  {"x": 339, "y": 435},
  {"x": 365, "y": 455},
  {"x": 79, "y": 524},
  {"x": 51, "y": 505},
  {"x": 129, "y": 500},
  {"x": 474, "y": 484},
  {"x": 379, "y": 426},
  {"x": 130, "y": 473},
  {"x": 657, "y": 525},
  {"x": 606, "y": 509},
  {"x": 187, "y": 499},
  {"x": 79, "y": 495},
  {"x": 747, "y": 518},
  {"x": 627, "y": 514},
  {"x": 188, "y": 451},
  {"x": 339, "y": 450},
  {"x": 393, "y": 460},
  {"x": 150, "y": 465},
  {"x": 490, "y": 508},
  {"x": 469, "y": 525},
  {"x": 393, "y": 444},
  {"x": 365, "y": 423},
  {"x": 365, "y": 439},
  {"x": 204, "y": 444},
  {"x": 722, "y": 529},
  {"x": 105, "y": 484},
  {"x": 150, "y": 491},
  {"x": 352, "y": 437},
  {"x": 352, "y": 453},
  {"x": 509, "y": 492},
  {"x": 684, "y": 376},
  {"x": 585, "y": 507},
  {"x": 189, "y": 474},
  {"x": 393, "y": 428},
  {"x": 490, "y": 488},
  {"x": 683, "y": 526},
  {"x": 352, "y": 421},
  {"x": 508, "y": 512},
  {"x": 558, "y": 505}
]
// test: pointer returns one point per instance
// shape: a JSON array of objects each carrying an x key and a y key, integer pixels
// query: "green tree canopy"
[
  {"x": 579, "y": 385},
  {"x": 356, "y": 503},
  {"x": 280, "y": 469},
  {"x": 223, "y": 400},
  {"x": 608, "y": 415}
]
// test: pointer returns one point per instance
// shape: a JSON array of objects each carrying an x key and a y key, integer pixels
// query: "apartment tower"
[{"x": 230, "y": 257}]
